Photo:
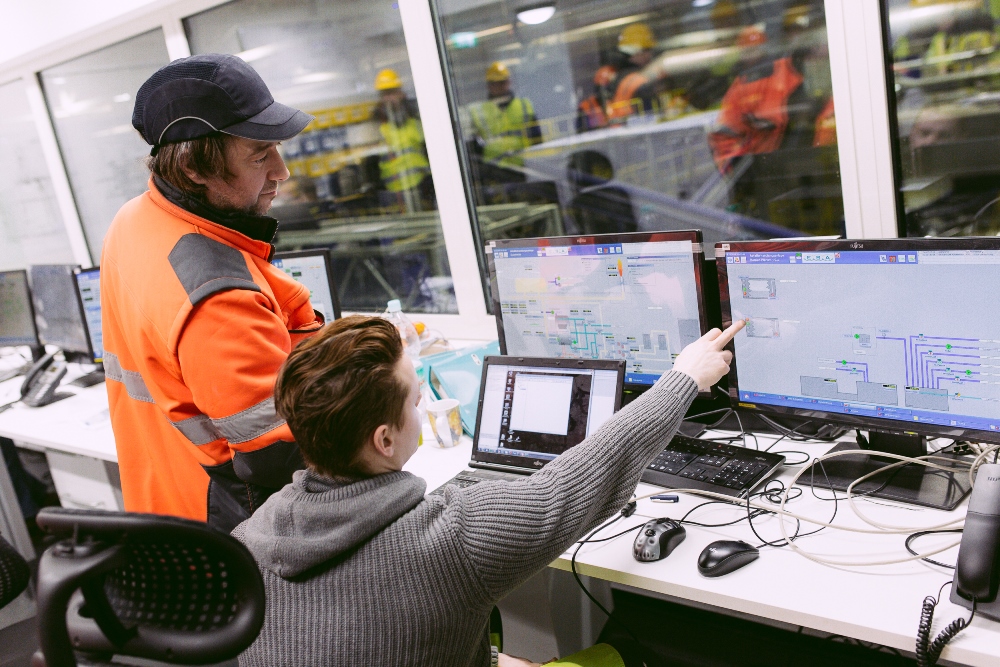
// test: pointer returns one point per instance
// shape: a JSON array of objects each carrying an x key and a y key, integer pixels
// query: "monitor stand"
[
  {"x": 90, "y": 379},
  {"x": 913, "y": 484}
]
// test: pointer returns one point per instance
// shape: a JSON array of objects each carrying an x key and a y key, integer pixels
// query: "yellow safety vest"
[
  {"x": 504, "y": 131},
  {"x": 406, "y": 164}
]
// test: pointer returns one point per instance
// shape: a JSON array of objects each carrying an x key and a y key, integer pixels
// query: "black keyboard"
[
  {"x": 690, "y": 463},
  {"x": 467, "y": 478}
]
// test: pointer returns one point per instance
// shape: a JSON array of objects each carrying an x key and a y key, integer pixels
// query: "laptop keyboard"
[
  {"x": 467, "y": 478},
  {"x": 702, "y": 464}
]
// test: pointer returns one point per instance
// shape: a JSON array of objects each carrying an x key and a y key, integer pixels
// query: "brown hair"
[
  {"x": 205, "y": 156},
  {"x": 337, "y": 387}
]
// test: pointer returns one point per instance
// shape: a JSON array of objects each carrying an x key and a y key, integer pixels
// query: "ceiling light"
[
  {"x": 315, "y": 77},
  {"x": 702, "y": 3},
  {"x": 535, "y": 14}
]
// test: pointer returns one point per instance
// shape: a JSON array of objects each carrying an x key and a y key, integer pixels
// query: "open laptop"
[{"x": 531, "y": 410}]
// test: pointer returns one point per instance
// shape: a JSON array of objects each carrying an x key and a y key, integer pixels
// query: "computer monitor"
[
  {"x": 532, "y": 410},
  {"x": 636, "y": 297},
  {"x": 897, "y": 337},
  {"x": 88, "y": 288},
  {"x": 57, "y": 309},
  {"x": 313, "y": 269},
  {"x": 17, "y": 318}
]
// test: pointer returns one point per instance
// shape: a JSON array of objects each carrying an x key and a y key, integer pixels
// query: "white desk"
[{"x": 876, "y": 604}]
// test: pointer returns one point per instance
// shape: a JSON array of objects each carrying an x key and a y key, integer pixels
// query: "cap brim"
[{"x": 275, "y": 123}]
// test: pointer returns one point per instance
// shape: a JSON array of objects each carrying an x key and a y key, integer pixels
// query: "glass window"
[
  {"x": 90, "y": 99},
  {"x": 946, "y": 85},
  {"x": 30, "y": 223},
  {"x": 592, "y": 116},
  {"x": 361, "y": 182}
]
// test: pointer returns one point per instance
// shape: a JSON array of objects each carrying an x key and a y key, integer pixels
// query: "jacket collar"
[{"x": 252, "y": 233}]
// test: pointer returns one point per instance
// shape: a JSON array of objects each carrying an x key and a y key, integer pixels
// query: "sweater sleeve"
[{"x": 511, "y": 529}]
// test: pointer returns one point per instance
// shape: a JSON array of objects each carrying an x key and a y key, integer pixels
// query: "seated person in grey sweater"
[{"x": 362, "y": 569}]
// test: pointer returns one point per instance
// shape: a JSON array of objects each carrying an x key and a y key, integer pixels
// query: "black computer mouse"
[
  {"x": 725, "y": 556},
  {"x": 657, "y": 539}
]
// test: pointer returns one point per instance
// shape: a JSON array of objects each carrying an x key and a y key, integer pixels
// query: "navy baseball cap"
[{"x": 196, "y": 96}]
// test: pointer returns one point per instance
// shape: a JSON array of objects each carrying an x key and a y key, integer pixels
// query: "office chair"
[
  {"x": 14, "y": 573},
  {"x": 142, "y": 585}
]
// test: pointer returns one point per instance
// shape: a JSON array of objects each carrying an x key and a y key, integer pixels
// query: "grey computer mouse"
[
  {"x": 725, "y": 556},
  {"x": 657, "y": 539}
]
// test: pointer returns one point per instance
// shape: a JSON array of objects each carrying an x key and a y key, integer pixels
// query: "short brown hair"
[
  {"x": 205, "y": 156},
  {"x": 337, "y": 387}
]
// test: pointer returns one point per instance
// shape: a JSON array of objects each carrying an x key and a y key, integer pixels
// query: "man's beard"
[{"x": 257, "y": 207}]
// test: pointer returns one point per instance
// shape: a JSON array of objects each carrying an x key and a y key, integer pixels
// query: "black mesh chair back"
[
  {"x": 14, "y": 573},
  {"x": 144, "y": 585}
]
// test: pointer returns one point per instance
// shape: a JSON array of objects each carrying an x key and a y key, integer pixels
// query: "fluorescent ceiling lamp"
[
  {"x": 315, "y": 77},
  {"x": 702, "y": 3},
  {"x": 536, "y": 14}
]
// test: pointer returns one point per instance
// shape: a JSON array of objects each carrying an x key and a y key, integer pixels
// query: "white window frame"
[{"x": 860, "y": 98}]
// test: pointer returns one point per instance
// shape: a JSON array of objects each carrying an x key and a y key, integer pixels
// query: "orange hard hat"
[
  {"x": 751, "y": 36},
  {"x": 605, "y": 75}
]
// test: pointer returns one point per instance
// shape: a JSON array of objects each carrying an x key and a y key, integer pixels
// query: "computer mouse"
[
  {"x": 657, "y": 539},
  {"x": 725, "y": 556}
]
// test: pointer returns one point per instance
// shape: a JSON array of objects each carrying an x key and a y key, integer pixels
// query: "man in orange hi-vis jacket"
[{"x": 196, "y": 320}]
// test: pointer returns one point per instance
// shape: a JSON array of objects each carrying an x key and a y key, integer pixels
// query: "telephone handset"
[
  {"x": 42, "y": 380},
  {"x": 977, "y": 573}
]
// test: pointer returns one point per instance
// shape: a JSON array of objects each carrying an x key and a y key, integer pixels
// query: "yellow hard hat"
[
  {"x": 387, "y": 79},
  {"x": 797, "y": 17},
  {"x": 635, "y": 38},
  {"x": 497, "y": 72}
]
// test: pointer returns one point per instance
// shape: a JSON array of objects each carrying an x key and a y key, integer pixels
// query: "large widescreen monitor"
[
  {"x": 633, "y": 297},
  {"x": 57, "y": 308},
  {"x": 88, "y": 285},
  {"x": 17, "y": 319},
  {"x": 891, "y": 336},
  {"x": 312, "y": 268}
]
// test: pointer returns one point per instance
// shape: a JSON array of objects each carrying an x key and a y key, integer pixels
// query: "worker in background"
[
  {"x": 633, "y": 89},
  {"x": 406, "y": 173},
  {"x": 776, "y": 102},
  {"x": 196, "y": 320},
  {"x": 592, "y": 114},
  {"x": 504, "y": 126}
]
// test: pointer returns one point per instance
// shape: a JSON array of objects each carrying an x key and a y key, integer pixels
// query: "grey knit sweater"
[{"x": 372, "y": 573}]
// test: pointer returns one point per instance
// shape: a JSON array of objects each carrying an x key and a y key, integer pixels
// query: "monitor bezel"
[
  {"x": 83, "y": 311},
  {"x": 74, "y": 352},
  {"x": 31, "y": 309},
  {"x": 555, "y": 363},
  {"x": 697, "y": 258},
  {"x": 878, "y": 424},
  {"x": 328, "y": 261}
]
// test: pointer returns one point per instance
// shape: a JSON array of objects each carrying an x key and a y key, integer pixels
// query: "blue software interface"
[
  {"x": 912, "y": 336},
  {"x": 89, "y": 284},
  {"x": 631, "y": 301},
  {"x": 311, "y": 272}
]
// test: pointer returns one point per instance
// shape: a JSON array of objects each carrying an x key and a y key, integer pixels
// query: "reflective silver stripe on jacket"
[
  {"x": 199, "y": 430},
  {"x": 251, "y": 423},
  {"x": 134, "y": 384}
]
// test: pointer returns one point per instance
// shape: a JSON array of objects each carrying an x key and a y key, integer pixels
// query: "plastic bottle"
[{"x": 394, "y": 313}]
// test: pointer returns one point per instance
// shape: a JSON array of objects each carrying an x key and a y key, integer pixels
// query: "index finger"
[{"x": 729, "y": 334}]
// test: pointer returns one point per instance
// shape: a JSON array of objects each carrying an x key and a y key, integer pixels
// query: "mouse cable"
[
  {"x": 929, "y": 651},
  {"x": 915, "y": 536},
  {"x": 579, "y": 582}
]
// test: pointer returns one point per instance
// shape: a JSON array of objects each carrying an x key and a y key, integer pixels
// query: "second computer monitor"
[
  {"x": 88, "y": 285},
  {"x": 17, "y": 320},
  {"x": 312, "y": 268},
  {"x": 636, "y": 297},
  {"x": 57, "y": 309}
]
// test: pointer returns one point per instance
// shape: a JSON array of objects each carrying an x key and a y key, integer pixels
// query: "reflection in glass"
[
  {"x": 642, "y": 115},
  {"x": 30, "y": 223},
  {"x": 361, "y": 182},
  {"x": 946, "y": 81},
  {"x": 90, "y": 99}
]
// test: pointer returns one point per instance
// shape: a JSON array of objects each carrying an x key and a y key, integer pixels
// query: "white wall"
[{"x": 33, "y": 25}]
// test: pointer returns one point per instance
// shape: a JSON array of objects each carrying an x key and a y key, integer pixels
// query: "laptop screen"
[{"x": 531, "y": 410}]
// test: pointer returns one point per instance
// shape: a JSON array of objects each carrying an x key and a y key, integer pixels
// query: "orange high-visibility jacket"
[
  {"x": 754, "y": 114},
  {"x": 196, "y": 324}
]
